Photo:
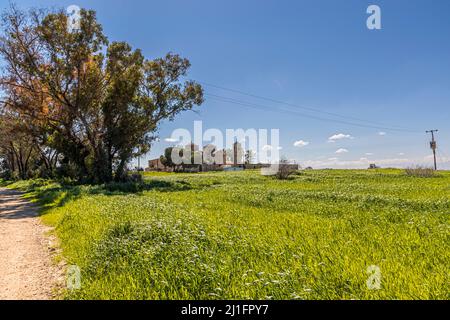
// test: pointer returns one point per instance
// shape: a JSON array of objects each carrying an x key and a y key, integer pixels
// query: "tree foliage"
[
  {"x": 94, "y": 104},
  {"x": 166, "y": 159}
]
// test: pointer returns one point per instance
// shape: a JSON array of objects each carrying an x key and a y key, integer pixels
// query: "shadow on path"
[{"x": 13, "y": 206}]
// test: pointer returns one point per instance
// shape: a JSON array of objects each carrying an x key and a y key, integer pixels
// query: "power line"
[
  {"x": 292, "y": 112},
  {"x": 442, "y": 155},
  {"x": 398, "y": 128},
  {"x": 445, "y": 155}
]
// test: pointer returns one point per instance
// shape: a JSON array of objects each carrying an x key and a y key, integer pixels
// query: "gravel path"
[{"x": 26, "y": 269}]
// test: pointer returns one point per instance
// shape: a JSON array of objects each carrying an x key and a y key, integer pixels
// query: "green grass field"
[{"x": 242, "y": 235}]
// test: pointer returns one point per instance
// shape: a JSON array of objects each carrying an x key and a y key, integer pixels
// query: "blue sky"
[{"x": 317, "y": 54}]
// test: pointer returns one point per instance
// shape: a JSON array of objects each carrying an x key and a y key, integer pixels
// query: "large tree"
[
  {"x": 98, "y": 104},
  {"x": 17, "y": 151}
]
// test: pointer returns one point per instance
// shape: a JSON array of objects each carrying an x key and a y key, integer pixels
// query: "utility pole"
[{"x": 433, "y": 146}]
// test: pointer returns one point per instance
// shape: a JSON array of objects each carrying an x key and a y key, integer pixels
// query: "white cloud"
[
  {"x": 357, "y": 164},
  {"x": 300, "y": 143},
  {"x": 369, "y": 154},
  {"x": 440, "y": 160},
  {"x": 399, "y": 162},
  {"x": 339, "y": 136},
  {"x": 401, "y": 154},
  {"x": 342, "y": 150},
  {"x": 170, "y": 140},
  {"x": 381, "y": 133}
]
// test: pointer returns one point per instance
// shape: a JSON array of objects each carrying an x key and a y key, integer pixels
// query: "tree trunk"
[{"x": 120, "y": 172}]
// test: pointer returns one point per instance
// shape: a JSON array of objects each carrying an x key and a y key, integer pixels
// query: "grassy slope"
[{"x": 242, "y": 235}]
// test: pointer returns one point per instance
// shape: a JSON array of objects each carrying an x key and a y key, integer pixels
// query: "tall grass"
[
  {"x": 422, "y": 172},
  {"x": 241, "y": 235}
]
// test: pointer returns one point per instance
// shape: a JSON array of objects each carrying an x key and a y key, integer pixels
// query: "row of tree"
[{"x": 74, "y": 104}]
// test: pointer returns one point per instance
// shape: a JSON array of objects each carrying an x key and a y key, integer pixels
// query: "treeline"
[{"x": 74, "y": 105}]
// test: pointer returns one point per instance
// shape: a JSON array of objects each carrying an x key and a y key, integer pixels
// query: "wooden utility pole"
[{"x": 433, "y": 146}]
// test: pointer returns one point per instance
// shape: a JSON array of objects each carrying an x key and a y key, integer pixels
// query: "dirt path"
[{"x": 26, "y": 269}]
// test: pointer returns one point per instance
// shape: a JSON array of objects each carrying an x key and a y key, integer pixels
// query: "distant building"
[
  {"x": 193, "y": 147},
  {"x": 210, "y": 158},
  {"x": 238, "y": 154},
  {"x": 373, "y": 166},
  {"x": 156, "y": 164},
  {"x": 210, "y": 155}
]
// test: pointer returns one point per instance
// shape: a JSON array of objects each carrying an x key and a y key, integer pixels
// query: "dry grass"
[{"x": 422, "y": 172}]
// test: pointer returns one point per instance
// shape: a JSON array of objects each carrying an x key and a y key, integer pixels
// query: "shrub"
[
  {"x": 422, "y": 172},
  {"x": 125, "y": 187},
  {"x": 135, "y": 178},
  {"x": 285, "y": 170}
]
